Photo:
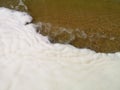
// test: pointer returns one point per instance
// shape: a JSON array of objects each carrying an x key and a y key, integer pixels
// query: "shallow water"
[
  {"x": 93, "y": 24},
  {"x": 28, "y": 61}
]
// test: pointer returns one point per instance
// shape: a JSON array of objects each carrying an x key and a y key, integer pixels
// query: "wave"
[
  {"x": 28, "y": 60},
  {"x": 95, "y": 33}
]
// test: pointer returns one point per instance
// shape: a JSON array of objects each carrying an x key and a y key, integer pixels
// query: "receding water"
[{"x": 93, "y": 24}]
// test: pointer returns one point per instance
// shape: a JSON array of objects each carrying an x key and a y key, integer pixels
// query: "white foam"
[{"x": 28, "y": 61}]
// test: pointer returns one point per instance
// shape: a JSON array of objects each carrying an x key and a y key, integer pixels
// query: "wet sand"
[{"x": 93, "y": 24}]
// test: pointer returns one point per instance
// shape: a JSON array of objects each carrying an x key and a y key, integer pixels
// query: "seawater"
[
  {"x": 92, "y": 24},
  {"x": 29, "y": 61}
]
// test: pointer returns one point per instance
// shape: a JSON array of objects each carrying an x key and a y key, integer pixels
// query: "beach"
[{"x": 30, "y": 60}]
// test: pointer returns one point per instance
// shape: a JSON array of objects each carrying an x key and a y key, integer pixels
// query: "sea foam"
[{"x": 28, "y": 61}]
